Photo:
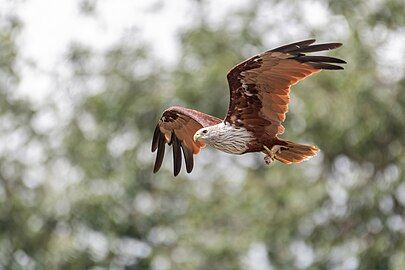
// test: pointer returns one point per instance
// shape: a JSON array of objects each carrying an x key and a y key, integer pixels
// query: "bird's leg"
[{"x": 271, "y": 153}]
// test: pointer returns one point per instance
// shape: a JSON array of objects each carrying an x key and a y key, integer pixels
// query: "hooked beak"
[{"x": 196, "y": 136}]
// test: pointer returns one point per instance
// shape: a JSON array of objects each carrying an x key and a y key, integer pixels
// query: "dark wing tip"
[
  {"x": 188, "y": 157},
  {"x": 293, "y": 46},
  {"x": 316, "y": 61},
  {"x": 325, "y": 66},
  {"x": 176, "y": 155},
  {"x": 305, "y": 46},
  {"x": 155, "y": 141},
  {"x": 320, "y": 62},
  {"x": 160, "y": 153},
  {"x": 317, "y": 48},
  {"x": 315, "y": 58}
]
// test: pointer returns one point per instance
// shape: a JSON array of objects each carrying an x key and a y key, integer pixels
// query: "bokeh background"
[{"x": 82, "y": 84}]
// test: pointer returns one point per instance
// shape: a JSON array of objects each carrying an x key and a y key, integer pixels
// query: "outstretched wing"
[
  {"x": 176, "y": 127},
  {"x": 260, "y": 86}
]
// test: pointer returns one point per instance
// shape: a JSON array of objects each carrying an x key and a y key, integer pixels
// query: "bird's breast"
[{"x": 232, "y": 140}]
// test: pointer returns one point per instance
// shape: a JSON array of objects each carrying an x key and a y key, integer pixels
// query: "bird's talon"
[
  {"x": 271, "y": 153},
  {"x": 268, "y": 160}
]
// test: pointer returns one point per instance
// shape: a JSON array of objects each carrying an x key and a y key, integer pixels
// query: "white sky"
[{"x": 51, "y": 26}]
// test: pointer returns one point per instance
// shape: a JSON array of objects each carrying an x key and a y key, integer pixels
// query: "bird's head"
[
  {"x": 206, "y": 134},
  {"x": 201, "y": 134}
]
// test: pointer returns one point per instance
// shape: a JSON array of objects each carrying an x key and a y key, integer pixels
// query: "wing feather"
[
  {"x": 155, "y": 140},
  {"x": 317, "y": 48},
  {"x": 188, "y": 157},
  {"x": 177, "y": 127},
  {"x": 176, "y": 155},
  {"x": 160, "y": 152},
  {"x": 293, "y": 46},
  {"x": 260, "y": 86}
]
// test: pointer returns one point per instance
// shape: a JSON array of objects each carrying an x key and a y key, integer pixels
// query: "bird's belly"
[
  {"x": 231, "y": 148},
  {"x": 233, "y": 141}
]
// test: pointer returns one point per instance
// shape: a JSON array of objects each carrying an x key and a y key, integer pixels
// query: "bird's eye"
[{"x": 204, "y": 131}]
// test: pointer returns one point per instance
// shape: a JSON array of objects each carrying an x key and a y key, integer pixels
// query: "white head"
[
  {"x": 225, "y": 137},
  {"x": 208, "y": 134}
]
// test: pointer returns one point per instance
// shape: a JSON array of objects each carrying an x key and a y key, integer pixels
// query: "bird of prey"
[{"x": 259, "y": 98}]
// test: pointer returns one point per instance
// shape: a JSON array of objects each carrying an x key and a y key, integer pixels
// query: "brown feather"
[
  {"x": 177, "y": 127},
  {"x": 260, "y": 86},
  {"x": 295, "y": 153}
]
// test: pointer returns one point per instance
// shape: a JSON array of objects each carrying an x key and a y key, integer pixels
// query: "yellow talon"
[{"x": 271, "y": 153}]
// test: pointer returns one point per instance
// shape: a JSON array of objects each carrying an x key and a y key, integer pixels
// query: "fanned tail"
[{"x": 295, "y": 153}]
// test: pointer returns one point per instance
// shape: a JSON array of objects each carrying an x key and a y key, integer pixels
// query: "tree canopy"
[{"x": 76, "y": 183}]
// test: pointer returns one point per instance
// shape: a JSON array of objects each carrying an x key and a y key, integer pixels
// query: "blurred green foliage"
[{"x": 81, "y": 195}]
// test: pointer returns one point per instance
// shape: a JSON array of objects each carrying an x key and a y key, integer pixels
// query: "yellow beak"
[{"x": 196, "y": 136}]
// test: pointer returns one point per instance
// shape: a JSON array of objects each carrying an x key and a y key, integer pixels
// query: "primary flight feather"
[{"x": 259, "y": 98}]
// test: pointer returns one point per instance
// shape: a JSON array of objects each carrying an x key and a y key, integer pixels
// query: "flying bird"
[{"x": 259, "y": 97}]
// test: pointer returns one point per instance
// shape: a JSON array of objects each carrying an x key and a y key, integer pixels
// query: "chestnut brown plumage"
[
  {"x": 259, "y": 98},
  {"x": 176, "y": 127}
]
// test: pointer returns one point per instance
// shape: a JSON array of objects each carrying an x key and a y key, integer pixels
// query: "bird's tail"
[{"x": 295, "y": 153}]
